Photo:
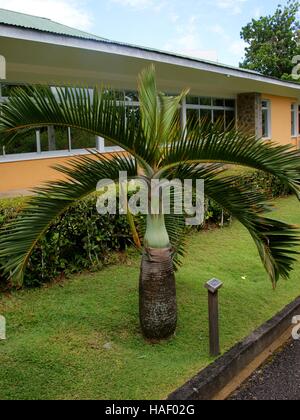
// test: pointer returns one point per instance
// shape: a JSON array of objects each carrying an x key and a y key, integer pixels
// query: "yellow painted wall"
[
  {"x": 20, "y": 176},
  {"x": 281, "y": 119}
]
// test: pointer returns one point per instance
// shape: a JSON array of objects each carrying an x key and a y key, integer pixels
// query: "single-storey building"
[{"x": 38, "y": 50}]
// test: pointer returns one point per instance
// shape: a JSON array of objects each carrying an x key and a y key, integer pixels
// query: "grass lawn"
[{"x": 57, "y": 335}]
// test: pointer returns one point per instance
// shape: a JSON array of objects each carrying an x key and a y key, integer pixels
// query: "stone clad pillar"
[{"x": 249, "y": 113}]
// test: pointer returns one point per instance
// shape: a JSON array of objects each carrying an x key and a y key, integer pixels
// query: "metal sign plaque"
[{"x": 213, "y": 285}]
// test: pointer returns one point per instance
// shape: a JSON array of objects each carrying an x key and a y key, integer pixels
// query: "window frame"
[
  {"x": 213, "y": 108},
  {"x": 295, "y": 114},
  {"x": 267, "y": 108},
  {"x": 100, "y": 143}
]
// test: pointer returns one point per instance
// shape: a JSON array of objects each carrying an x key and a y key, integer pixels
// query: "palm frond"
[
  {"x": 177, "y": 230},
  {"x": 18, "y": 239},
  {"x": 210, "y": 144},
  {"x": 160, "y": 114},
  {"x": 276, "y": 241},
  {"x": 149, "y": 103},
  {"x": 95, "y": 111}
]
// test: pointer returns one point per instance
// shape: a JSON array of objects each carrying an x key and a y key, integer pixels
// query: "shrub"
[
  {"x": 82, "y": 240},
  {"x": 265, "y": 183},
  {"x": 78, "y": 240}
]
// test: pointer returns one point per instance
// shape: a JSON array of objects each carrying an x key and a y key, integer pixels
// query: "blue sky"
[{"x": 207, "y": 29}]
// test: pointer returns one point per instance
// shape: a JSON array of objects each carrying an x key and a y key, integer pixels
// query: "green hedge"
[
  {"x": 82, "y": 240},
  {"x": 265, "y": 183},
  {"x": 78, "y": 240}
]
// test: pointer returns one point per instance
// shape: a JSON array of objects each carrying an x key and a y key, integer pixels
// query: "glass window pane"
[
  {"x": 265, "y": 125},
  {"x": 218, "y": 102},
  {"x": 192, "y": 116},
  {"x": 205, "y": 101},
  {"x": 293, "y": 120},
  {"x": 120, "y": 96},
  {"x": 131, "y": 97},
  {"x": 82, "y": 140},
  {"x": 230, "y": 103},
  {"x": 7, "y": 90},
  {"x": 206, "y": 116},
  {"x": 265, "y": 104},
  {"x": 22, "y": 144},
  {"x": 192, "y": 100},
  {"x": 56, "y": 139},
  {"x": 230, "y": 119},
  {"x": 133, "y": 112},
  {"x": 219, "y": 118}
]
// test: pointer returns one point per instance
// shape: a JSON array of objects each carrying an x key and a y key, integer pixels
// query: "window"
[
  {"x": 199, "y": 110},
  {"x": 193, "y": 116},
  {"x": 131, "y": 101},
  {"x": 21, "y": 144},
  {"x": 294, "y": 120},
  {"x": 266, "y": 119},
  {"x": 211, "y": 110}
]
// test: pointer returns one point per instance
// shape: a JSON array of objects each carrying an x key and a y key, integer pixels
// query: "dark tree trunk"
[{"x": 158, "y": 307}]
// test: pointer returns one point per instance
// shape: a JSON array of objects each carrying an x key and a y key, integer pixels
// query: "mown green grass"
[{"x": 56, "y": 335}]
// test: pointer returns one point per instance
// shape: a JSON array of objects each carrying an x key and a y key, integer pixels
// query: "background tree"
[{"x": 273, "y": 41}]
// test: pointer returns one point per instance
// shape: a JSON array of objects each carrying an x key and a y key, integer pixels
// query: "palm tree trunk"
[{"x": 158, "y": 307}]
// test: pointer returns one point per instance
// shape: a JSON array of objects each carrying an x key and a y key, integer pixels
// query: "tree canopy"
[{"x": 273, "y": 41}]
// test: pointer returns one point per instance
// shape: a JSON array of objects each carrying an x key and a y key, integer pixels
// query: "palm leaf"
[
  {"x": 95, "y": 111},
  {"x": 211, "y": 145},
  {"x": 159, "y": 114},
  {"x": 18, "y": 239},
  {"x": 276, "y": 241}
]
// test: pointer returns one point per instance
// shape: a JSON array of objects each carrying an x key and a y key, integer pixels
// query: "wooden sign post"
[{"x": 213, "y": 287}]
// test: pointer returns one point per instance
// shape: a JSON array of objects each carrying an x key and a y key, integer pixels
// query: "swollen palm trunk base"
[{"x": 158, "y": 307}]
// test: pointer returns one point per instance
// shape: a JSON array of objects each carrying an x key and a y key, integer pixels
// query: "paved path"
[{"x": 279, "y": 379}]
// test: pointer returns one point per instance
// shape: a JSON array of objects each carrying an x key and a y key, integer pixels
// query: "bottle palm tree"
[{"x": 155, "y": 147}]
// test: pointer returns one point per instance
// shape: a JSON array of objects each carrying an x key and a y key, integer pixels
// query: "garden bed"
[{"x": 80, "y": 339}]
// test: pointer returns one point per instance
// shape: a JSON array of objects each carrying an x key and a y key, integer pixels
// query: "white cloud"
[
  {"x": 257, "y": 13},
  {"x": 233, "y": 6},
  {"x": 69, "y": 12},
  {"x": 155, "y": 5},
  {"x": 217, "y": 29},
  {"x": 189, "y": 42},
  {"x": 237, "y": 48},
  {"x": 174, "y": 18}
]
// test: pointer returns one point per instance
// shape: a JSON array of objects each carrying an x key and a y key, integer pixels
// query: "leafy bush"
[
  {"x": 82, "y": 240},
  {"x": 78, "y": 240},
  {"x": 264, "y": 183}
]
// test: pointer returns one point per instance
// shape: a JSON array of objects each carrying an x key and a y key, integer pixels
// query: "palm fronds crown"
[{"x": 156, "y": 146}]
